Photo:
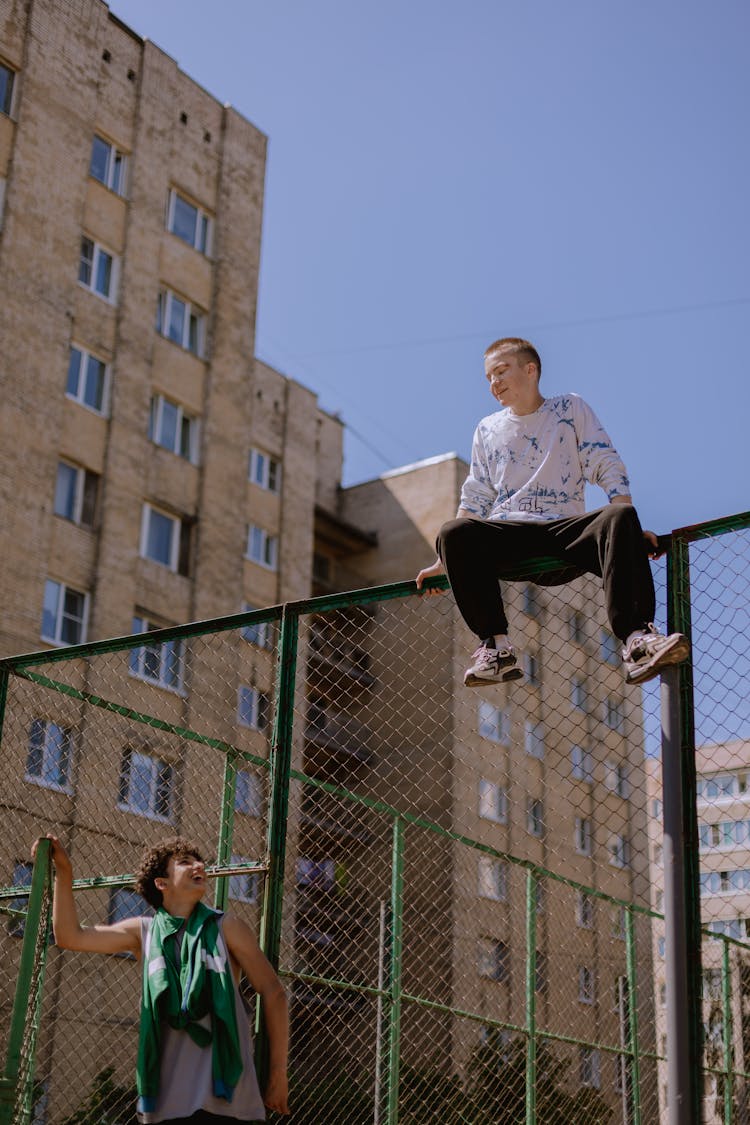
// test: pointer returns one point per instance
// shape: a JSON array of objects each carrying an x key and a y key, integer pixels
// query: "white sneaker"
[
  {"x": 644, "y": 656},
  {"x": 492, "y": 666}
]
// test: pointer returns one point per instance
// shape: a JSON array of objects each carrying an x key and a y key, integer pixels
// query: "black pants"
[{"x": 608, "y": 542}]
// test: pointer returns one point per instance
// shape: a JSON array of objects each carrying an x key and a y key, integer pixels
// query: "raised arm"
[
  {"x": 258, "y": 970},
  {"x": 123, "y": 937}
]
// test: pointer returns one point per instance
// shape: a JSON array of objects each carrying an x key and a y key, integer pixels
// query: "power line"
[{"x": 612, "y": 318}]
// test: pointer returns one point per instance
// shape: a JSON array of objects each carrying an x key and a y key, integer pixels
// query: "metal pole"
[
  {"x": 728, "y": 1035},
  {"x": 24, "y": 1003},
  {"x": 226, "y": 829},
  {"x": 681, "y": 1110},
  {"x": 281, "y": 764},
  {"x": 394, "y": 973},
  {"x": 632, "y": 1019},
  {"x": 379, "y": 1012},
  {"x": 531, "y": 1045}
]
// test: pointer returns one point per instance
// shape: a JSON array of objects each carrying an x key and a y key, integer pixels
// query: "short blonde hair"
[{"x": 519, "y": 347}]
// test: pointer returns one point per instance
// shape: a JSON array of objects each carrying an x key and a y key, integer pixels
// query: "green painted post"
[
  {"x": 679, "y": 620},
  {"x": 278, "y": 810},
  {"x": 24, "y": 1000},
  {"x": 633, "y": 1043},
  {"x": 226, "y": 829},
  {"x": 531, "y": 1044},
  {"x": 726, "y": 997},
  {"x": 394, "y": 973}
]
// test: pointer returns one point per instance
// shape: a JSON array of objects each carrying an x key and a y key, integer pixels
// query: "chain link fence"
[{"x": 461, "y": 888}]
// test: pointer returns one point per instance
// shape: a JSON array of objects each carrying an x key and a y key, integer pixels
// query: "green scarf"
[{"x": 182, "y": 993}]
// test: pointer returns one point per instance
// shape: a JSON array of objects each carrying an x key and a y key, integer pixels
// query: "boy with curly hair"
[{"x": 195, "y": 1052}]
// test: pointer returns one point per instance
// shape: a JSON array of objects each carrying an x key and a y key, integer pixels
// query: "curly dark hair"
[{"x": 154, "y": 864}]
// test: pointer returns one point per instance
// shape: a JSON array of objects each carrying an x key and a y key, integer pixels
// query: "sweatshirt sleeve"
[
  {"x": 477, "y": 493},
  {"x": 600, "y": 460}
]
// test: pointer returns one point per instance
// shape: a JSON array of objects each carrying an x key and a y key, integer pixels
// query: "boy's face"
[
  {"x": 186, "y": 875},
  {"x": 509, "y": 378}
]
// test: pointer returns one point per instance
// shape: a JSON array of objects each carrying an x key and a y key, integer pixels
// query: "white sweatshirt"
[{"x": 533, "y": 466}]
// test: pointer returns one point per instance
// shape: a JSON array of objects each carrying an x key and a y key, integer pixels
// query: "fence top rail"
[{"x": 533, "y": 569}]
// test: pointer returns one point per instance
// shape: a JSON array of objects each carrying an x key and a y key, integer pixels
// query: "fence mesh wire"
[{"x": 472, "y": 886}]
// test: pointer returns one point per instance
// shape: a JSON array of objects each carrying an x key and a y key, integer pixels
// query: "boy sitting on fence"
[{"x": 194, "y": 1052}]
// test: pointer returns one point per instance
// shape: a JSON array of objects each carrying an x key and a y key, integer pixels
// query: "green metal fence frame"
[{"x": 279, "y": 765}]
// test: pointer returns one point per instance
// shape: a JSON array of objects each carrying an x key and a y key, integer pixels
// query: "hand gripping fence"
[{"x": 522, "y": 904}]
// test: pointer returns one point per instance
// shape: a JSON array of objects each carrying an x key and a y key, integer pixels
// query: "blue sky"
[{"x": 443, "y": 174}]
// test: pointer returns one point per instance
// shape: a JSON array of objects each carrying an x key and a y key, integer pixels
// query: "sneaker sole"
[
  {"x": 507, "y": 676},
  {"x": 679, "y": 652}
]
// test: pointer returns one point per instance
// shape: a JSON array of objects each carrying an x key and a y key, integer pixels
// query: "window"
[
  {"x": 161, "y": 663},
  {"x": 722, "y": 786},
  {"x": 262, "y": 547},
  {"x": 493, "y": 723},
  {"x": 3, "y": 185},
  {"x": 493, "y": 959},
  {"x": 712, "y": 984},
  {"x": 260, "y": 633},
  {"x": 76, "y": 492},
  {"x": 578, "y": 694},
  {"x": 265, "y": 470},
  {"x": 616, "y": 778},
  {"x": 582, "y": 835},
  {"x": 609, "y": 648},
  {"x": 656, "y": 807},
  {"x": 124, "y": 903},
  {"x": 584, "y": 910},
  {"x": 64, "y": 615},
  {"x": 531, "y": 668},
  {"x": 170, "y": 427},
  {"x": 721, "y": 882},
  {"x": 146, "y": 785},
  {"x": 252, "y": 708},
  {"x": 619, "y": 851},
  {"x": 577, "y": 624},
  {"x": 659, "y": 901},
  {"x": 493, "y": 801},
  {"x": 586, "y": 985},
  {"x": 492, "y": 878},
  {"x": 88, "y": 381},
  {"x": 581, "y": 764},
  {"x": 531, "y": 601},
  {"x": 22, "y": 875},
  {"x": 320, "y": 873},
  {"x": 589, "y": 1067},
  {"x": 243, "y": 887},
  {"x": 188, "y": 222},
  {"x": 49, "y": 761},
  {"x": 181, "y": 322},
  {"x": 165, "y": 539},
  {"x": 248, "y": 793},
  {"x": 661, "y": 947},
  {"x": 662, "y": 994},
  {"x": 535, "y": 817},
  {"x": 614, "y": 715},
  {"x": 108, "y": 165},
  {"x": 620, "y": 923},
  {"x": 97, "y": 270},
  {"x": 658, "y": 854},
  {"x": 541, "y": 975},
  {"x": 534, "y": 739},
  {"x": 7, "y": 81}
]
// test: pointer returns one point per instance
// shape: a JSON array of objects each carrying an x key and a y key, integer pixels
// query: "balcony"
[
  {"x": 339, "y": 658},
  {"x": 330, "y": 735}
]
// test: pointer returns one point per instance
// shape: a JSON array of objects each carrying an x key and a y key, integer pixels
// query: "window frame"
[
  {"x": 583, "y": 836},
  {"x": 492, "y": 879},
  {"x": 261, "y": 634},
  {"x": 156, "y": 422},
  {"x": 124, "y": 805},
  {"x": 585, "y": 910},
  {"x": 261, "y": 706},
  {"x": 269, "y": 548},
  {"x": 586, "y": 985},
  {"x": 493, "y": 723},
  {"x": 192, "y": 312},
  {"x": 535, "y": 817},
  {"x": 68, "y": 736},
  {"x": 138, "y": 655},
  {"x": 82, "y": 478},
  {"x": 590, "y": 1067},
  {"x": 533, "y": 739},
  {"x": 203, "y": 220},
  {"x": 499, "y": 815},
  {"x": 614, "y": 714},
  {"x": 616, "y": 778},
  {"x": 7, "y": 110},
  {"x": 114, "y": 154},
  {"x": 63, "y": 589},
  {"x": 252, "y": 878},
  {"x": 83, "y": 377},
  {"x": 579, "y": 696},
  {"x": 98, "y": 251},
  {"x": 619, "y": 850},
  {"x": 581, "y": 768},
  {"x": 180, "y": 545},
  {"x": 270, "y": 481},
  {"x": 493, "y": 959},
  {"x": 254, "y": 805}
]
